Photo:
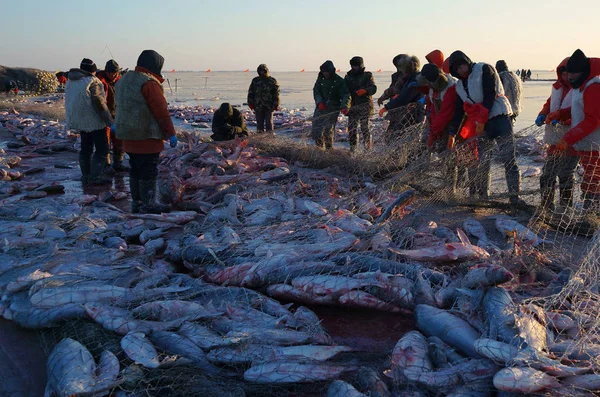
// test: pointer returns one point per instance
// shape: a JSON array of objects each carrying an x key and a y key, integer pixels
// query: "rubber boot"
[
  {"x": 136, "y": 199},
  {"x": 85, "y": 164},
  {"x": 97, "y": 176},
  {"x": 148, "y": 197},
  {"x": 118, "y": 158}
]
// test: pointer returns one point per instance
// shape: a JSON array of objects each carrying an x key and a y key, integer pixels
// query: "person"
[
  {"x": 561, "y": 164},
  {"x": 396, "y": 83},
  {"x": 441, "y": 102},
  {"x": 109, "y": 77},
  {"x": 528, "y": 74},
  {"x": 481, "y": 97},
  {"x": 362, "y": 88},
  {"x": 407, "y": 108},
  {"x": 263, "y": 98},
  {"x": 11, "y": 86},
  {"x": 143, "y": 123},
  {"x": 518, "y": 72},
  {"x": 228, "y": 123},
  {"x": 436, "y": 57},
  {"x": 86, "y": 111},
  {"x": 513, "y": 89},
  {"x": 62, "y": 79},
  {"x": 331, "y": 97},
  {"x": 584, "y": 135}
]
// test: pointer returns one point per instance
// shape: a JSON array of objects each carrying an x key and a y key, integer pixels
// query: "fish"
[
  {"x": 177, "y": 217},
  {"x": 524, "y": 380},
  {"x": 530, "y": 357},
  {"x": 332, "y": 285},
  {"x": 481, "y": 276},
  {"x": 153, "y": 246},
  {"x": 498, "y": 308},
  {"x": 207, "y": 339},
  {"x": 305, "y": 206},
  {"x": 116, "y": 243},
  {"x": 471, "y": 370},
  {"x": 370, "y": 381},
  {"x": 122, "y": 322},
  {"x": 532, "y": 172},
  {"x": 530, "y": 320},
  {"x": 446, "y": 234},
  {"x": 586, "y": 382},
  {"x": 140, "y": 350},
  {"x": 295, "y": 372},
  {"x": 449, "y": 328},
  {"x": 289, "y": 292},
  {"x": 398, "y": 205},
  {"x": 339, "y": 388},
  {"x": 509, "y": 227},
  {"x": 174, "y": 309},
  {"x": 53, "y": 297},
  {"x": 410, "y": 353},
  {"x": 280, "y": 337},
  {"x": 362, "y": 299},
  {"x": 350, "y": 222},
  {"x": 499, "y": 352},
  {"x": 150, "y": 234},
  {"x": 340, "y": 241}
]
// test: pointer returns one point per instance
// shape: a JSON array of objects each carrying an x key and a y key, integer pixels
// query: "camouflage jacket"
[
  {"x": 263, "y": 93},
  {"x": 332, "y": 92},
  {"x": 361, "y": 80}
]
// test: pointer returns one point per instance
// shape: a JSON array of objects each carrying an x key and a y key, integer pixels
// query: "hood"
[
  {"x": 436, "y": 57},
  {"x": 446, "y": 66},
  {"x": 501, "y": 66},
  {"x": 409, "y": 65},
  {"x": 456, "y": 59},
  {"x": 559, "y": 80},
  {"x": 327, "y": 66},
  {"x": 151, "y": 60},
  {"x": 77, "y": 74},
  {"x": 226, "y": 110},
  {"x": 397, "y": 59},
  {"x": 264, "y": 67}
]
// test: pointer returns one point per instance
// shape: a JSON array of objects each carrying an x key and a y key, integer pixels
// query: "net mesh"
[{"x": 224, "y": 299}]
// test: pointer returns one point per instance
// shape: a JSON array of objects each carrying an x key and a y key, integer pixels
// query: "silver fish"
[
  {"x": 524, "y": 380},
  {"x": 295, "y": 372}
]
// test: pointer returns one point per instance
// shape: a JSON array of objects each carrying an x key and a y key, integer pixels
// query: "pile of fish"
[
  {"x": 201, "y": 117},
  {"x": 37, "y": 134}
]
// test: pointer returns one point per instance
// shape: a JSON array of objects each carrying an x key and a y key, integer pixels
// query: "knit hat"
[
  {"x": 111, "y": 66},
  {"x": 226, "y": 110},
  {"x": 431, "y": 72},
  {"x": 88, "y": 65},
  {"x": 501, "y": 66},
  {"x": 578, "y": 63}
]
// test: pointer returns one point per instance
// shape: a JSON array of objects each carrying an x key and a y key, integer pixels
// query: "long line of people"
[{"x": 469, "y": 107}]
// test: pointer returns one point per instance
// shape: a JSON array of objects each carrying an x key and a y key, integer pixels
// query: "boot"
[
  {"x": 97, "y": 176},
  {"x": 547, "y": 202},
  {"x": 118, "y": 158},
  {"x": 85, "y": 164},
  {"x": 148, "y": 197},
  {"x": 136, "y": 200}
]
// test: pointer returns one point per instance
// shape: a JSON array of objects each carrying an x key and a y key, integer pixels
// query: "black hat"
[
  {"x": 226, "y": 110},
  {"x": 357, "y": 61},
  {"x": 501, "y": 66},
  {"x": 88, "y": 65},
  {"x": 111, "y": 66},
  {"x": 152, "y": 61},
  {"x": 431, "y": 72},
  {"x": 578, "y": 63}
]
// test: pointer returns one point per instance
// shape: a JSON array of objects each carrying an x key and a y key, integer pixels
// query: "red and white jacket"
[{"x": 442, "y": 104}]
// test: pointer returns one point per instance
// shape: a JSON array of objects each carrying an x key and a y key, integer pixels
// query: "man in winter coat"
[
  {"x": 362, "y": 88},
  {"x": 109, "y": 77},
  {"x": 513, "y": 89},
  {"x": 407, "y": 108},
  {"x": 584, "y": 135},
  {"x": 561, "y": 164},
  {"x": 331, "y": 97},
  {"x": 10, "y": 86},
  {"x": 397, "y": 81},
  {"x": 481, "y": 98},
  {"x": 143, "y": 123},
  {"x": 263, "y": 98},
  {"x": 228, "y": 123},
  {"x": 86, "y": 111}
]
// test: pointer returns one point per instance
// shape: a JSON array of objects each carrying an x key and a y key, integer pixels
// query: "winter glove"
[
  {"x": 422, "y": 100},
  {"x": 361, "y": 92},
  {"x": 322, "y": 106},
  {"x": 554, "y": 122},
  {"x": 173, "y": 141},
  {"x": 344, "y": 111},
  {"x": 113, "y": 128},
  {"x": 562, "y": 145},
  {"x": 251, "y": 106},
  {"x": 382, "y": 111},
  {"x": 450, "y": 142},
  {"x": 540, "y": 120},
  {"x": 553, "y": 116}
]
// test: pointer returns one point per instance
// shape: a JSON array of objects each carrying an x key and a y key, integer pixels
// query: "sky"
[{"x": 293, "y": 35}]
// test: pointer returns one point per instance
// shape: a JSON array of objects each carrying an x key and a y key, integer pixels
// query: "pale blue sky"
[{"x": 291, "y": 35}]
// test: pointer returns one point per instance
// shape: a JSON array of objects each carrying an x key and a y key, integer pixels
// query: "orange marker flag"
[
  {"x": 172, "y": 70},
  {"x": 302, "y": 71},
  {"x": 379, "y": 71},
  {"x": 246, "y": 71},
  {"x": 337, "y": 70},
  {"x": 208, "y": 71}
]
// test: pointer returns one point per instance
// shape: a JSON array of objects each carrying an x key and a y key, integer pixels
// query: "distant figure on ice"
[
  {"x": 528, "y": 74},
  {"x": 228, "y": 123},
  {"x": 481, "y": 97},
  {"x": 263, "y": 98},
  {"x": 143, "y": 124},
  {"x": 559, "y": 163},
  {"x": 86, "y": 111},
  {"x": 513, "y": 89},
  {"x": 109, "y": 77},
  {"x": 10, "y": 86},
  {"x": 331, "y": 97},
  {"x": 362, "y": 88}
]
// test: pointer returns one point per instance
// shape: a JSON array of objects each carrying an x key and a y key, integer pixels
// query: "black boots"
[
  {"x": 97, "y": 176},
  {"x": 117, "y": 164},
  {"x": 85, "y": 164},
  {"x": 148, "y": 197},
  {"x": 136, "y": 199}
]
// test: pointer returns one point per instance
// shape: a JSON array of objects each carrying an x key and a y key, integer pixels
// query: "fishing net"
[{"x": 288, "y": 236}]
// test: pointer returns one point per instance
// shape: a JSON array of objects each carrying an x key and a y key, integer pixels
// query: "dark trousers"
[
  {"x": 498, "y": 131},
  {"x": 144, "y": 166},
  {"x": 354, "y": 121},
  {"x": 90, "y": 140},
  {"x": 264, "y": 120},
  {"x": 561, "y": 165},
  {"x": 323, "y": 128}
]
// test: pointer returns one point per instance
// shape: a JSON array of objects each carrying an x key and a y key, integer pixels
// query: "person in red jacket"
[
  {"x": 437, "y": 58},
  {"x": 558, "y": 163},
  {"x": 109, "y": 77},
  {"x": 143, "y": 122},
  {"x": 584, "y": 135}
]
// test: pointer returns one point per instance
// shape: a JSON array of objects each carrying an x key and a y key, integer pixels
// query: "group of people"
[
  {"x": 524, "y": 74},
  {"x": 470, "y": 107},
  {"x": 131, "y": 112}
]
